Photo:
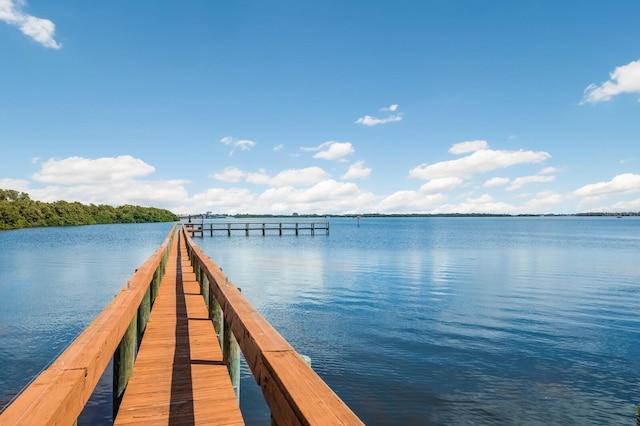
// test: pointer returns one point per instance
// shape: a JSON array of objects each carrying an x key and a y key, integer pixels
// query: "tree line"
[{"x": 18, "y": 210}]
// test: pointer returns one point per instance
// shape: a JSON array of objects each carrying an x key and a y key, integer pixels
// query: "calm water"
[{"x": 410, "y": 320}]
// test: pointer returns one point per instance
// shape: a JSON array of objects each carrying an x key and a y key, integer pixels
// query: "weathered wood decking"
[{"x": 179, "y": 377}]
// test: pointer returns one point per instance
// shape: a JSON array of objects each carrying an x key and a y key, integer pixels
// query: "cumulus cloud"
[
  {"x": 624, "y": 79},
  {"x": 78, "y": 170},
  {"x": 229, "y": 174},
  {"x": 327, "y": 196},
  {"x": 518, "y": 182},
  {"x": 278, "y": 147},
  {"x": 495, "y": 181},
  {"x": 243, "y": 144},
  {"x": 39, "y": 29},
  {"x": 291, "y": 177},
  {"x": 357, "y": 171},
  {"x": 482, "y": 160},
  {"x": 482, "y": 204},
  {"x": 410, "y": 201},
  {"x": 21, "y": 185},
  {"x": 548, "y": 170},
  {"x": 621, "y": 184},
  {"x": 440, "y": 185},
  {"x": 332, "y": 150},
  {"x": 468, "y": 146},
  {"x": 369, "y": 120},
  {"x": 299, "y": 177}
]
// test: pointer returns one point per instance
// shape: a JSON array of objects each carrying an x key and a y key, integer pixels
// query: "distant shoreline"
[{"x": 363, "y": 215}]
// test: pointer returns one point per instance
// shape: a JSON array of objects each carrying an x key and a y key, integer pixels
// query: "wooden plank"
[{"x": 179, "y": 377}]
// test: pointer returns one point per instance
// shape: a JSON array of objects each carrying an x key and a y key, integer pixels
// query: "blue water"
[
  {"x": 53, "y": 283},
  {"x": 431, "y": 321}
]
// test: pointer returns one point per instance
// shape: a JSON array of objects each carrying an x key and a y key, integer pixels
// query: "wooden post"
[
  {"x": 123, "y": 359},
  {"x": 155, "y": 284},
  {"x": 280, "y": 228},
  {"x": 246, "y": 229},
  {"x": 229, "y": 229},
  {"x": 231, "y": 357},
  {"x": 296, "y": 228},
  {"x": 196, "y": 269},
  {"x": 144, "y": 311},
  {"x": 215, "y": 312},
  {"x": 205, "y": 289},
  {"x": 313, "y": 228},
  {"x": 263, "y": 230}
]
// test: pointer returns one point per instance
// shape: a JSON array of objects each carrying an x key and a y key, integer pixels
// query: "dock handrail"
[
  {"x": 294, "y": 393},
  {"x": 59, "y": 394}
]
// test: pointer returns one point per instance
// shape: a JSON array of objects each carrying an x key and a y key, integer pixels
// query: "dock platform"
[
  {"x": 264, "y": 228},
  {"x": 179, "y": 377}
]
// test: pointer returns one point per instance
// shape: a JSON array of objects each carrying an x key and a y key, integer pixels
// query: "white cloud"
[
  {"x": 357, "y": 171},
  {"x": 278, "y": 147},
  {"x": 518, "y": 182},
  {"x": 480, "y": 161},
  {"x": 495, "y": 181},
  {"x": 548, "y": 170},
  {"x": 165, "y": 193},
  {"x": 332, "y": 150},
  {"x": 229, "y": 174},
  {"x": 541, "y": 202},
  {"x": 243, "y": 144},
  {"x": 440, "y": 185},
  {"x": 107, "y": 180},
  {"x": 328, "y": 196},
  {"x": 626, "y": 206},
  {"x": 624, "y": 79},
  {"x": 369, "y": 120},
  {"x": 410, "y": 201},
  {"x": 482, "y": 204},
  {"x": 258, "y": 178},
  {"x": 78, "y": 170},
  {"x": 621, "y": 184},
  {"x": 40, "y": 30},
  {"x": 21, "y": 185},
  {"x": 219, "y": 200},
  {"x": 291, "y": 177},
  {"x": 468, "y": 146},
  {"x": 299, "y": 177}
]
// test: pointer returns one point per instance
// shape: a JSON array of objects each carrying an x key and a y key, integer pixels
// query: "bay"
[{"x": 432, "y": 321}]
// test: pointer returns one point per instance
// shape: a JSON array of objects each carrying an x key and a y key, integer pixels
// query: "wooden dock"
[
  {"x": 247, "y": 228},
  {"x": 182, "y": 310},
  {"x": 179, "y": 377}
]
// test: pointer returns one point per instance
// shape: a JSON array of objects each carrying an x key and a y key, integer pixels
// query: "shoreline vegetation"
[{"x": 18, "y": 210}]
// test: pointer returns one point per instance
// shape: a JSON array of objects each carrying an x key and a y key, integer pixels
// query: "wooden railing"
[
  {"x": 59, "y": 394},
  {"x": 294, "y": 393}
]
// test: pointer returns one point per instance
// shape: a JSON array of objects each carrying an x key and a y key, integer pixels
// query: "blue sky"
[{"x": 323, "y": 107}]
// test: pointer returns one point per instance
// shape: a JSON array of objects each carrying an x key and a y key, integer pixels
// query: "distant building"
[{"x": 295, "y": 214}]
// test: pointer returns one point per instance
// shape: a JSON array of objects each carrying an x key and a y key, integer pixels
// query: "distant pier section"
[{"x": 278, "y": 228}]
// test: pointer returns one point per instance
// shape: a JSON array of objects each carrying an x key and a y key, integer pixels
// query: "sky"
[{"x": 331, "y": 107}]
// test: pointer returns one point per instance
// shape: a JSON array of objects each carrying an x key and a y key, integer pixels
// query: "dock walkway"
[{"x": 179, "y": 376}]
